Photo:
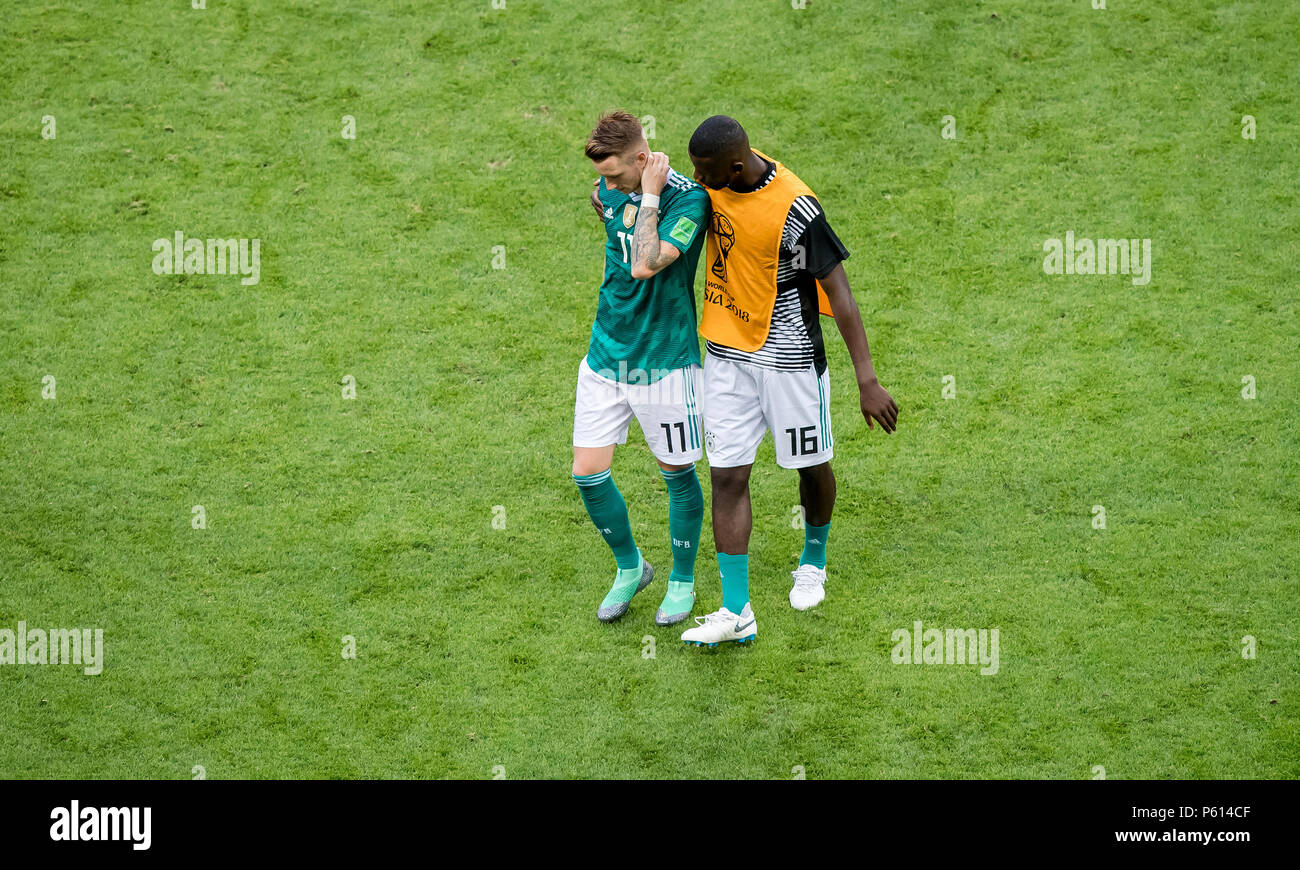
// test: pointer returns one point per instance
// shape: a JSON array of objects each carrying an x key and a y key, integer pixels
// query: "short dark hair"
[
  {"x": 615, "y": 132},
  {"x": 718, "y": 135}
]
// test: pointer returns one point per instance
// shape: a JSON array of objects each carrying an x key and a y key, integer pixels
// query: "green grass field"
[{"x": 477, "y": 649}]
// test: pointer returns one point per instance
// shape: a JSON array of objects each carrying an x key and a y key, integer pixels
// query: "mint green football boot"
[
  {"x": 677, "y": 603},
  {"x": 626, "y": 584}
]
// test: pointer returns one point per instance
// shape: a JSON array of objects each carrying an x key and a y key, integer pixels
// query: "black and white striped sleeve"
[{"x": 806, "y": 228}]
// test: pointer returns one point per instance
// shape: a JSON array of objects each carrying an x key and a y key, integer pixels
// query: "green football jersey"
[{"x": 645, "y": 329}]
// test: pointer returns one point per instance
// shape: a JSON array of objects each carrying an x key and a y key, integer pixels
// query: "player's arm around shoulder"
[{"x": 595, "y": 197}]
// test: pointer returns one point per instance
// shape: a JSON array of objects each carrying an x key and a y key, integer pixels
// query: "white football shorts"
[
  {"x": 742, "y": 402},
  {"x": 667, "y": 410}
]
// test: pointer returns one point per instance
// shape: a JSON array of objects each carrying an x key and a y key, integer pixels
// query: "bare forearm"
[
  {"x": 854, "y": 334},
  {"x": 646, "y": 250},
  {"x": 877, "y": 405},
  {"x": 848, "y": 320}
]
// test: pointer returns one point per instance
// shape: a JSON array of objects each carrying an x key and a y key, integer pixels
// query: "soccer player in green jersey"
[{"x": 644, "y": 357}]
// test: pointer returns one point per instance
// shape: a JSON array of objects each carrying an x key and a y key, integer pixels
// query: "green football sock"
[
  {"x": 814, "y": 545},
  {"x": 735, "y": 581},
  {"x": 608, "y": 511},
  {"x": 685, "y": 520}
]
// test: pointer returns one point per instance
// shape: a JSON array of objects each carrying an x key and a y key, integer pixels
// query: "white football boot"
[
  {"x": 809, "y": 587},
  {"x": 721, "y": 626}
]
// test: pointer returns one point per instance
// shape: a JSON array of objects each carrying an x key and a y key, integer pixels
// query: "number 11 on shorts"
[{"x": 668, "y": 431}]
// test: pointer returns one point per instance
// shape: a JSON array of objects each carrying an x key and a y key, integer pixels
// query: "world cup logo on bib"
[{"x": 726, "y": 237}]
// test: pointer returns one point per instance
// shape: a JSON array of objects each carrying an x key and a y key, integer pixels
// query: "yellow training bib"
[{"x": 742, "y": 252}]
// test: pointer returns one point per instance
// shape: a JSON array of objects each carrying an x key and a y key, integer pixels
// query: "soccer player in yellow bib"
[{"x": 769, "y": 247}]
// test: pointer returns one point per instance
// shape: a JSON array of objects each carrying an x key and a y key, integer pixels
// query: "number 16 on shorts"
[
  {"x": 744, "y": 402},
  {"x": 803, "y": 440}
]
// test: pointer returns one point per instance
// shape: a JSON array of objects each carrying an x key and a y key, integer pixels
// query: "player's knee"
[
  {"x": 590, "y": 462},
  {"x": 585, "y": 467},
  {"x": 818, "y": 474},
  {"x": 729, "y": 481}
]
